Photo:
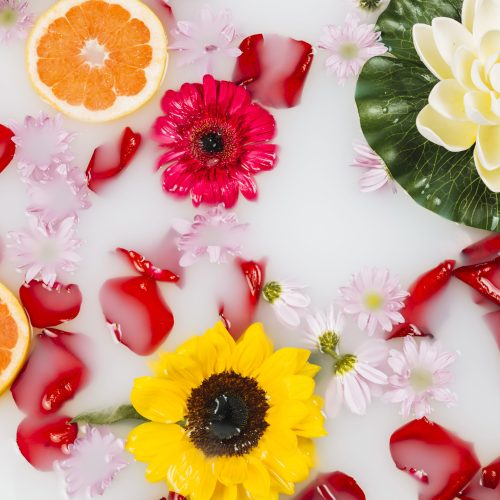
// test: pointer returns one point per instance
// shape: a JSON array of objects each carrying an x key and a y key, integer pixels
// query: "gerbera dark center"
[
  {"x": 212, "y": 142},
  {"x": 226, "y": 414}
]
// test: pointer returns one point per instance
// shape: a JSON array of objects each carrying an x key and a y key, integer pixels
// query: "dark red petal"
[
  {"x": 485, "y": 485},
  {"x": 483, "y": 278},
  {"x": 146, "y": 268},
  {"x": 136, "y": 312},
  {"x": 422, "y": 292},
  {"x": 482, "y": 250},
  {"x": 333, "y": 486},
  {"x": 7, "y": 147},
  {"x": 43, "y": 440},
  {"x": 53, "y": 374},
  {"x": 108, "y": 161},
  {"x": 274, "y": 68},
  {"x": 50, "y": 306},
  {"x": 442, "y": 462}
]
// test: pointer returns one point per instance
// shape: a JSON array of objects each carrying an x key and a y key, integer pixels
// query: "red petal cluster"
[
  {"x": 333, "y": 486},
  {"x": 7, "y": 147}
]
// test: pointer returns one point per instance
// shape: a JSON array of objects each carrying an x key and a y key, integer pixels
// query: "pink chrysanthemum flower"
[
  {"x": 354, "y": 376},
  {"x": 287, "y": 300},
  {"x": 15, "y": 20},
  {"x": 324, "y": 330},
  {"x": 420, "y": 375},
  {"x": 41, "y": 144},
  {"x": 349, "y": 47},
  {"x": 376, "y": 174},
  {"x": 62, "y": 194},
  {"x": 94, "y": 460},
  {"x": 215, "y": 233},
  {"x": 45, "y": 250},
  {"x": 376, "y": 298},
  {"x": 216, "y": 141},
  {"x": 212, "y": 37}
]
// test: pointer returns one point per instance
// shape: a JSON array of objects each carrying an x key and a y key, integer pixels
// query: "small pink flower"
[
  {"x": 324, "y": 330},
  {"x": 94, "y": 460},
  {"x": 41, "y": 144},
  {"x": 377, "y": 174},
  {"x": 349, "y": 47},
  {"x": 287, "y": 300},
  {"x": 419, "y": 376},
  {"x": 61, "y": 194},
  {"x": 45, "y": 250},
  {"x": 354, "y": 375},
  {"x": 15, "y": 20},
  {"x": 376, "y": 298},
  {"x": 211, "y": 38},
  {"x": 216, "y": 141},
  {"x": 216, "y": 233}
]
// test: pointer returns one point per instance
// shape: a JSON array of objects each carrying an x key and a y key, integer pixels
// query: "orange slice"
[
  {"x": 15, "y": 337},
  {"x": 97, "y": 60}
]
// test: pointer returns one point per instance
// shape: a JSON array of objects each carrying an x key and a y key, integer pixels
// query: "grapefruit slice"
[
  {"x": 15, "y": 337},
  {"x": 97, "y": 60}
]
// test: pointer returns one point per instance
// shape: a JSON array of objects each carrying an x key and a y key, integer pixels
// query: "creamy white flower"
[{"x": 464, "y": 106}]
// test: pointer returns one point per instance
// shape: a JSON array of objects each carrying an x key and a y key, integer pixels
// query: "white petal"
[
  {"x": 334, "y": 397},
  {"x": 488, "y": 147},
  {"x": 468, "y": 13},
  {"x": 188, "y": 259},
  {"x": 286, "y": 313},
  {"x": 462, "y": 67},
  {"x": 427, "y": 50},
  {"x": 490, "y": 177},
  {"x": 490, "y": 44},
  {"x": 478, "y": 76},
  {"x": 371, "y": 374},
  {"x": 449, "y": 35},
  {"x": 495, "y": 77},
  {"x": 353, "y": 395},
  {"x": 295, "y": 299},
  {"x": 478, "y": 107},
  {"x": 453, "y": 135},
  {"x": 486, "y": 18},
  {"x": 373, "y": 352},
  {"x": 447, "y": 98}
]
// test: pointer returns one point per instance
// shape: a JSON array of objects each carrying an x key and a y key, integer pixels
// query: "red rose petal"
[
  {"x": 442, "y": 462},
  {"x": 483, "y": 277},
  {"x": 50, "y": 306},
  {"x": 482, "y": 250},
  {"x": 274, "y": 68},
  {"x": 108, "y": 161},
  {"x": 136, "y": 312},
  {"x": 7, "y": 147},
  {"x": 53, "y": 374},
  {"x": 485, "y": 485},
  {"x": 146, "y": 267},
  {"x": 333, "y": 486},
  {"x": 42, "y": 440},
  {"x": 422, "y": 292}
]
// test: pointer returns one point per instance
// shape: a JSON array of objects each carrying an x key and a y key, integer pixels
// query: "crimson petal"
[
  {"x": 274, "y": 68},
  {"x": 485, "y": 485},
  {"x": 442, "y": 462},
  {"x": 333, "y": 486},
  {"x": 146, "y": 267},
  {"x": 484, "y": 249},
  {"x": 48, "y": 306},
  {"x": 7, "y": 147},
  {"x": 53, "y": 374},
  {"x": 45, "y": 440},
  {"x": 482, "y": 277}
]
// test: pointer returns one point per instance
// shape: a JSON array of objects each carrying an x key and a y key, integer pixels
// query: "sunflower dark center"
[
  {"x": 226, "y": 414},
  {"x": 212, "y": 142}
]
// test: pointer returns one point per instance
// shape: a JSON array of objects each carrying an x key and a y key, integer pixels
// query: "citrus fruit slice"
[
  {"x": 15, "y": 336},
  {"x": 97, "y": 60}
]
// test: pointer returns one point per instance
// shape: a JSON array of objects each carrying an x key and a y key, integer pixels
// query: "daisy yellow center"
[
  {"x": 328, "y": 342},
  {"x": 272, "y": 291},
  {"x": 370, "y": 4},
  {"x": 373, "y": 301},
  {"x": 344, "y": 364},
  {"x": 420, "y": 379},
  {"x": 349, "y": 50},
  {"x": 94, "y": 53},
  {"x": 8, "y": 16}
]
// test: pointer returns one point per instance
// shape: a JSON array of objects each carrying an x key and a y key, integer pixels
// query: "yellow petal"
[
  {"x": 449, "y": 35},
  {"x": 468, "y": 13},
  {"x": 495, "y": 77},
  {"x": 427, "y": 50},
  {"x": 222, "y": 492},
  {"x": 252, "y": 350},
  {"x": 231, "y": 470},
  {"x": 447, "y": 98},
  {"x": 290, "y": 387},
  {"x": 451, "y": 134},
  {"x": 158, "y": 399},
  {"x": 488, "y": 147},
  {"x": 306, "y": 447},
  {"x": 178, "y": 368},
  {"x": 489, "y": 45},
  {"x": 490, "y": 177},
  {"x": 486, "y": 18},
  {"x": 258, "y": 482},
  {"x": 462, "y": 67},
  {"x": 288, "y": 414},
  {"x": 182, "y": 475},
  {"x": 478, "y": 106},
  {"x": 309, "y": 370},
  {"x": 206, "y": 481},
  {"x": 313, "y": 426},
  {"x": 478, "y": 76}
]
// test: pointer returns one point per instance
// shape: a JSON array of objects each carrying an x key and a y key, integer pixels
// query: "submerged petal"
[{"x": 427, "y": 50}]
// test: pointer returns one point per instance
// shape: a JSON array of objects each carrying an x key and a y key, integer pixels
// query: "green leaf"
[
  {"x": 390, "y": 93},
  {"x": 109, "y": 416}
]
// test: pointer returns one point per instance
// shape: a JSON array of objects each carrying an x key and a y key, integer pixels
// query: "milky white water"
[{"x": 312, "y": 224}]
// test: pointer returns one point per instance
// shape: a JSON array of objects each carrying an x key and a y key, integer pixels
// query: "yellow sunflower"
[{"x": 229, "y": 420}]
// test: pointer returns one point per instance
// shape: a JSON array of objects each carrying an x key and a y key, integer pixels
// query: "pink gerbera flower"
[
  {"x": 376, "y": 174},
  {"x": 216, "y": 141},
  {"x": 215, "y": 233},
  {"x": 212, "y": 37},
  {"x": 376, "y": 298},
  {"x": 62, "y": 194},
  {"x": 45, "y": 250},
  {"x": 420, "y": 375},
  {"x": 94, "y": 460},
  {"x": 349, "y": 47},
  {"x": 41, "y": 143},
  {"x": 14, "y": 19}
]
